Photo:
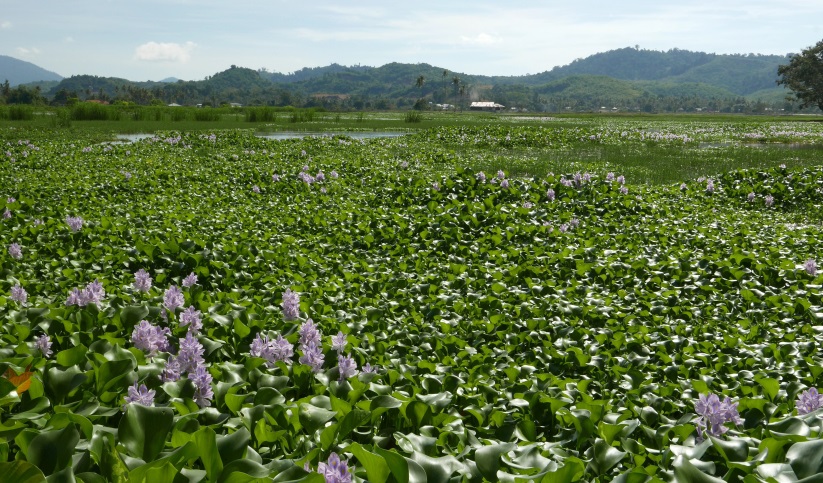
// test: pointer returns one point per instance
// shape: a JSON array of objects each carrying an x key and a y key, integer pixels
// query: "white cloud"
[
  {"x": 5, "y": 24},
  {"x": 480, "y": 39},
  {"x": 26, "y": 51},
  {"x": 164, "y": 52}
]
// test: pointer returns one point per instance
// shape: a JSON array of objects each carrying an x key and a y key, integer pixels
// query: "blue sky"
[{"x": 191, "y": 39}]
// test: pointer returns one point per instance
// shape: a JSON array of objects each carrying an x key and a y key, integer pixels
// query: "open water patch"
[{"x": 282, "y": 135}]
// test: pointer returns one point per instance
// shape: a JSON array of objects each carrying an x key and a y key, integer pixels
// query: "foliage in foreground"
[{"x": 466, "y": 326}]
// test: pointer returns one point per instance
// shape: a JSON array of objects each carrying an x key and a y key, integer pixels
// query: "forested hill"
[
  {"x": 740, "y": 74},
  {"x": 627, "y": 78}
]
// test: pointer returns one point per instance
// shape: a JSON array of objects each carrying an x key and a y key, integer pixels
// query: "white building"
[{"x": 486, "y": 106}]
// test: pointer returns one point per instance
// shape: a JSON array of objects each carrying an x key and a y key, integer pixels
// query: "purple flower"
[
  {"x": 528, "y": 205},
  {"x": 750, "y": 197},
  {"x": 38, "y": 222},
  {"x": 335, "y": 470},
  {"x": 436, "y": 186},
  {"x": 203, "y": 393},
  {"x": 609, "y": 176},
  {"x": 19, "y": 295},
  {"x": 368, "y": 369},
  {"x": 190, "y": 356},
  {"x": 624, "y": 190},
  {"x": 811, "y": 267},
  {"x": 312, "y": 356},
  {"x": 291, "y": 304},
  {"x": 275, "y": 178},
  {"x": 309, "y": 334},
  {"x": 504, "y": 184},
  {"x": 7, "y": 214},
  {"x": 282, "y": 350},
  {"x": 769, "y": 200},
  {"x": 142, "y": 281},
  {"x": 171, "y": 371},
  {"x": 481, "y": 176},
  {"x": 92, "y": 294},
  {"x": 714, "y": 414},
  {"x": 320, "y": 176},
  {"x": 140, "y": 395},
  {"x": 621, "y": 179},
  {"x": 346, "y": 366},
  {"x": 173, "y": 298},
  {"x": 255, "y": 189},
  {"x": 191, "y": 318},
  {"x": 338, "y": 342},
  {"x": 501, "y": 174},
  {"x": 809, "y": 401},
  {"x": 710, "y": 186},
  {"x": 683, "y": 187},
  {"x": 75, "y": 298},
  {"x": 75, "y": 223},
  {"x": 10, "y": 200},
  {"x": 550, "y": 194},
  {"x": 190, "y": 280},
  {"x": 15, "y": 251},
  {"x": 272, "y": 350},
  {"x": 333, "y": 174},
  {"x": 150, "y": 339},
  {"x": 306, "y": 177},
  {"x": 43, "y": 344}
]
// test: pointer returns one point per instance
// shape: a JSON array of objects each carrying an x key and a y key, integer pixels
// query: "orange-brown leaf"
[{"x": 20, "y": 381}]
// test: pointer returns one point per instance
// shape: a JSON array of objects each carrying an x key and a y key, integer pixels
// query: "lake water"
[{"x": 280, "y": 135}]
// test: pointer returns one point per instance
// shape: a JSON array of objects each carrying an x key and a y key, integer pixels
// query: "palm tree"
[{"x": 456, "y": 86}]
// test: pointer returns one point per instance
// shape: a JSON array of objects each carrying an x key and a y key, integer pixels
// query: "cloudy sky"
[{"x": 191, "y": 39}]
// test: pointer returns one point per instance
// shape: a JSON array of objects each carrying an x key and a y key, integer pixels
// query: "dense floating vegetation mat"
[{"x": 213, "y": 306}]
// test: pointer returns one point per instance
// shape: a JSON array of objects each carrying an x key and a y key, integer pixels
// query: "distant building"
[
  {"x": 174, "y": 104},
  {"x": 235, "y": 104},
  {"x": 486, "y": 106}
]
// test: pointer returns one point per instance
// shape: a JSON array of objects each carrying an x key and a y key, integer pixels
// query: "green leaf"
[
  {"x": 52, "y": 451},
  {"x": 770, "y": 387},
  {"x": 233, "y": 446},
  {"x": 806, "y": 458},
  {"x": 313, "y": 418},
  {"x": 398, "y": 465},
  {"x": 244, "y": 471},
  {"x": 206, "y": 441},
  {"x": 143, "y": 430},
  {"x": 605, "y": 456},
  {"x": 70, "y": 357},
  {"x": 132, "y": 315},
  {"x": 731, "y": 450},
  {"x": 488, "y": 459},
  {"x": 377, "y": 469},
  {"x": 21, "y": 472},
  {"x": 685, "y": 472}
]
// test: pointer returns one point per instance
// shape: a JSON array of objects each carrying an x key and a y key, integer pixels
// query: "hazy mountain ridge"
[
  {"x": 18, "y": 72},
  {"x": 619, "y": 77}
]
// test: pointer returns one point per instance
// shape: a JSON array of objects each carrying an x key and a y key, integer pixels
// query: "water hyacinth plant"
[{"x": 388, "y": 332}]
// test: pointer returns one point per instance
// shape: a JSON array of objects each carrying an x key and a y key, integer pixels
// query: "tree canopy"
[{"x": 804, "y": 75}]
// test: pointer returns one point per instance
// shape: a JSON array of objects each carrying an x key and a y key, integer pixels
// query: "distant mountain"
[
  {"x": 622, "y": 77},
  {"x": 169, "y": 80},
  {"x": 21, "y": 72}
]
